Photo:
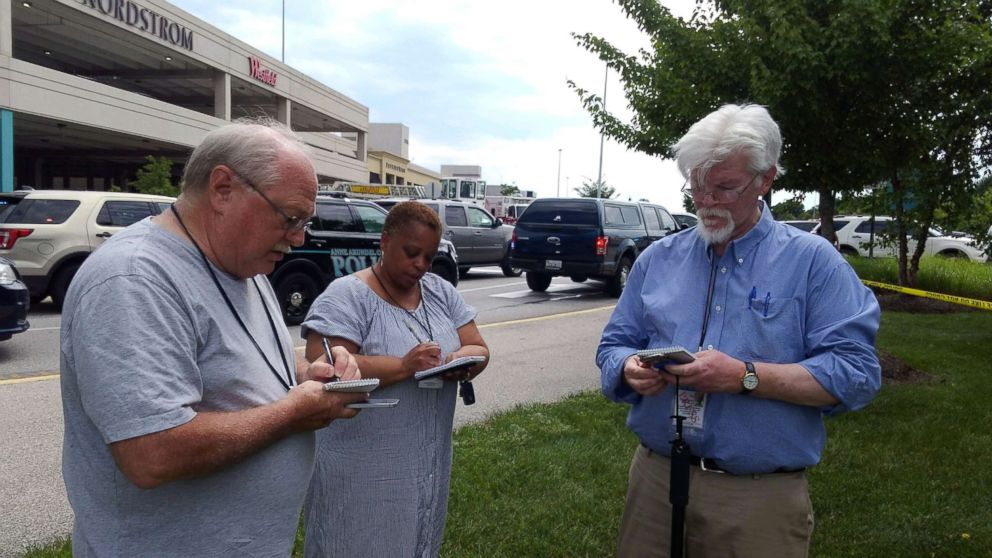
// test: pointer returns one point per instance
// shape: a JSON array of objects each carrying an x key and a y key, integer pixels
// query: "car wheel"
[
  {"x": 578, "y": 278},
  {"x": 296, "y": 291},
  {"x": 60, "y": 285},
  {"x": 617, "y": 283},
  {"x": 538, "y": 281},
  {"x": 848, "y": 251},
  {"x": 446, "y": 271},
  {"x": 463, "y": 271},
  {"x": 510, "y": 271},
  {"x": 952, "y": 254}
]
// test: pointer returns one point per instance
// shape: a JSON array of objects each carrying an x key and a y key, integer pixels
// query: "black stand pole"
[{"x": 678, "y": 490}]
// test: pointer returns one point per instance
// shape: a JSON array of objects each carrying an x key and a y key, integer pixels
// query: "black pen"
[{"x": 330, "y": 359}]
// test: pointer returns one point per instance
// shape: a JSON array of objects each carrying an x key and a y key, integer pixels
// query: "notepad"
[
  {"x": 457, "y": 364},
  {"x": 675, "y": 354},
  {"x": 352, "y": 386}
]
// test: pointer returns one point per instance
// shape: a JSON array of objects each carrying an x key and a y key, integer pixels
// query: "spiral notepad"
[
  {"x": 462, "y": 362},
  {"x": 347, "y": 386}
]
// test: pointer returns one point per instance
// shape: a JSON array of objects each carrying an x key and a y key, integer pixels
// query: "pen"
[
  {"x": 768, "y": 298},
  {"x": 413, "y": 332},
  {"x": 327, "y": 354},
  {"x": 750, "y": 299}
]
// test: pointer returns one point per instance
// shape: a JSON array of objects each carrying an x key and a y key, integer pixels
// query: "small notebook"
[
  {"x": 350, "y": 386},
  {"x": 456, "y": 364},
  {"x": 675, "y": 353}
]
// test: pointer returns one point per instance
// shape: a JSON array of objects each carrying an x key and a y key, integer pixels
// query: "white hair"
[{"x": 725, "y": 132}]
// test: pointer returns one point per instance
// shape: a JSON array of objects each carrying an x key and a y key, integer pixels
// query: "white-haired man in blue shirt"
[{"x": 785, "y": 334}]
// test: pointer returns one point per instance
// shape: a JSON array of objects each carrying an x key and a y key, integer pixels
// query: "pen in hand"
[{"x": 330, "y": 359}]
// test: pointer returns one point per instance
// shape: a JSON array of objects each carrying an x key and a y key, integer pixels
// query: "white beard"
[{"x": 715, "y": 236}]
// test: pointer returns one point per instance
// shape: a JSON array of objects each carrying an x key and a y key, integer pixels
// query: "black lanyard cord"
[
  {"x": 423, "y": 304},
  {"x": 288, "y": 381}
]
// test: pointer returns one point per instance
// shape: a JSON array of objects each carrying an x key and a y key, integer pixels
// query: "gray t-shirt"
[{"x": 148, "y": 342}]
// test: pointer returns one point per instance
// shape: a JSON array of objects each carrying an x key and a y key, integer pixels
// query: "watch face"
[{"x": 749, "y": 381}]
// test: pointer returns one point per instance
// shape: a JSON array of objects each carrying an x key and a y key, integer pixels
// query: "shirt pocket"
[{"x": 771, "y": 330}]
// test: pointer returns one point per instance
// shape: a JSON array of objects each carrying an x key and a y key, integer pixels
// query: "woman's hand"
[{"x": 421, "y": 357}]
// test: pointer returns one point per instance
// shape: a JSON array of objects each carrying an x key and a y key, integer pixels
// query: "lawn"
[{"x": 908, "y": 476}]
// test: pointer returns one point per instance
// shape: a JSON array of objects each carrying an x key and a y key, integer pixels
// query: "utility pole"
[
  {"x": 558, "y": 190},
  {"x": 602, "y": 137}
]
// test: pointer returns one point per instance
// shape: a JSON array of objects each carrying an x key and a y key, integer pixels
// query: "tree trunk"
[{"x": 827, "y": 205}]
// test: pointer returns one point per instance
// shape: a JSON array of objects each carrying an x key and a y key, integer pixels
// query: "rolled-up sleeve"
[
  {"x": 842, "y": 322},
  {"x": 623, "y": 336}
]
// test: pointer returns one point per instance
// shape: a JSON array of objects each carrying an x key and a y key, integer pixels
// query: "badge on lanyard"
[
  {"x": 431, "y": 383},
  {"x": 692, "y": 405}
]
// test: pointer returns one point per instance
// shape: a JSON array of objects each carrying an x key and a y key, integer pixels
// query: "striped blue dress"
[{"x": 380, "y": 485}]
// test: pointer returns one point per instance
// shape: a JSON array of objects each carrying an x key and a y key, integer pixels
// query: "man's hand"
[
  {"x": 711, "y": 372},
  {"x": 643, "y": 378},
  {"x": 345, "y": 367},
  {"x": 314, "y": 408}
]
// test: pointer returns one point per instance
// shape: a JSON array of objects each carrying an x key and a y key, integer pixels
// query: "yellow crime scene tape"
[{"x": 983, "y": 304}]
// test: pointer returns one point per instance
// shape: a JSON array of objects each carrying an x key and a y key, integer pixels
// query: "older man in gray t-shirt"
[{"x": 189, "y": 417}]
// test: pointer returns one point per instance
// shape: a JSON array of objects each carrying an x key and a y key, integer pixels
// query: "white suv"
[
  {"x": 854, "y": 236},
  {"x": 48, "y": 233}
]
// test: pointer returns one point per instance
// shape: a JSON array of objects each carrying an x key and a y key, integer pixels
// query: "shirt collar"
[{"x": 741, "y": 249}]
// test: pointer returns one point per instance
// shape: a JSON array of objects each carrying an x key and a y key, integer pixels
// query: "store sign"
[
  {"x": 396, "y": 168},
  {"x": 260, "y": 72},
  {"x": 143, "y": 19}
]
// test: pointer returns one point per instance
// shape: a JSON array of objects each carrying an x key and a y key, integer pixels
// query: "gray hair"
[
  {"x": 727, "y": 131},
  {"x": 250, "y": 147}
]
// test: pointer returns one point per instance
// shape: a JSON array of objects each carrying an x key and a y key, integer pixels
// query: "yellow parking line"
[
  {"x": 55, "y": 375},
  {"x": 549, "y": 317},
  {"x": 46, "y": 376}
]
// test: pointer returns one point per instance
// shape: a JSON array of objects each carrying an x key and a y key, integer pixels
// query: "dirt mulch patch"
[
  {"x": 895, "y": 370},
  {"x": 898, "y": 302}
]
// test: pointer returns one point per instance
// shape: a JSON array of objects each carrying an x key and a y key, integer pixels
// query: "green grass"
[
  {"x": 955, "y": 276},
  {"x": 908, "y": 476}
]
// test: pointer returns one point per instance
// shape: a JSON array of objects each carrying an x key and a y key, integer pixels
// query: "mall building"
[{"x": 90, "y": 88}]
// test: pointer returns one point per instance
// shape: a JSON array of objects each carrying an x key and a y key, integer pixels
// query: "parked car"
[
  {"x": 855, "y": 234},
  {"x": 342, "y": 238},
  {"x": 14, "y": 301},
  {"x": 479, "y": 238},
  {"x": 806, "y": 224},
  {"x": 48, "y": 233},
  {"x": 584, "y": 238},
  {"x": 685, "y": 220}
]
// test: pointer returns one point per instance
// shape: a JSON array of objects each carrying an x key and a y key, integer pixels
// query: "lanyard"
[
  {"x": 288, "y": 381},
  {"x": 423, "y": 304}
]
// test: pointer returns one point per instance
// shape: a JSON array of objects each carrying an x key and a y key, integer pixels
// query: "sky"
[{"x": 477, "y": 82}]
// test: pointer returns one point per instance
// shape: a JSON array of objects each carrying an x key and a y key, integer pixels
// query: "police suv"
[{"x": 342, "y": 238}]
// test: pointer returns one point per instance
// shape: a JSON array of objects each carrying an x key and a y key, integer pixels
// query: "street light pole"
[
  {"x": 283, "y": 31},
  {"x": 558, "y": 190},
  {"x": 602, "y": 137}
]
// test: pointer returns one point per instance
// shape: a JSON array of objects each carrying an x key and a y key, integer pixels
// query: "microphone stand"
[{"x": 678, "y": 488}]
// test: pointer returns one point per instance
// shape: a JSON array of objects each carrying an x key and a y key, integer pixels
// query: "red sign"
[{"x": 260, "y": 73}]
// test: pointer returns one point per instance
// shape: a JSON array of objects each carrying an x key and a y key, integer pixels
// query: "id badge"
[
  {"x": 692, "y": 406},
  {"x": 431, "y": 383}
]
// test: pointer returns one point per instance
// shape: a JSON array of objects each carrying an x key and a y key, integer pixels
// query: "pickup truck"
[{"x": 585, "y": 238}]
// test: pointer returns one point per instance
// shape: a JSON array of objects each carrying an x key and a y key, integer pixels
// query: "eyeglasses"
[
  {"x": 289, "y": 222},
  {"x": 719, "y": 194}
]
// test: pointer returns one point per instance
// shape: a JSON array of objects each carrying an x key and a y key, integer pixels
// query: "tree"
[
  {"x": 155, "y": 177},
  {"x": 864, "y": 92},
  {"x": 509, "y": 190},
  {"x": 595, "y": 189},
  {"x": 789, "y": 209}
]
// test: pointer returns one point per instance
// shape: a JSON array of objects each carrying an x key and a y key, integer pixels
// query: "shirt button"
[
  {"x": 718, "y": 308},
  {"x": 723, "y": 269},
  {"x": 710, "y": 347},
  {"x": 740, "y": 260}
]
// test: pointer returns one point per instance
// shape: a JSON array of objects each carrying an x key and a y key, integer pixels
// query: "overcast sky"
[{"x": 477, "y": 82}]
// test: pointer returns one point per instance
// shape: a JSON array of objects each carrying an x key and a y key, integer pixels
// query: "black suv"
[
  {"x": 14, "y": 301},
  {"x": 585, "y": 238},
  {"x": 342, "y": 238},
  {"x": 480, "y": 238}
]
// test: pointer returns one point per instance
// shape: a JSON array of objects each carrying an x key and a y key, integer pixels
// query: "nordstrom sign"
[{"x": 143, "y": 19}]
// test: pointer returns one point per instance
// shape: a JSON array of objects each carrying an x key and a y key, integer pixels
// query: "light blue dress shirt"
[{"x": 780, "y": 295}]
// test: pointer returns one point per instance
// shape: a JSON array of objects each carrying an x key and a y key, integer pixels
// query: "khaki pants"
[{"x": 728, "y": 516}]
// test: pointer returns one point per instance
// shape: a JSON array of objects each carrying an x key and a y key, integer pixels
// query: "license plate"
[{"x": 552, "y": 264}]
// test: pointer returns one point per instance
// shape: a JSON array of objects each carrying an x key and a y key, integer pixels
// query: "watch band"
[{"x": 749, "y": 381}]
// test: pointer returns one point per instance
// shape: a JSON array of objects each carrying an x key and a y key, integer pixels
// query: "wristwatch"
[{"x": 749, "y": 381}]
